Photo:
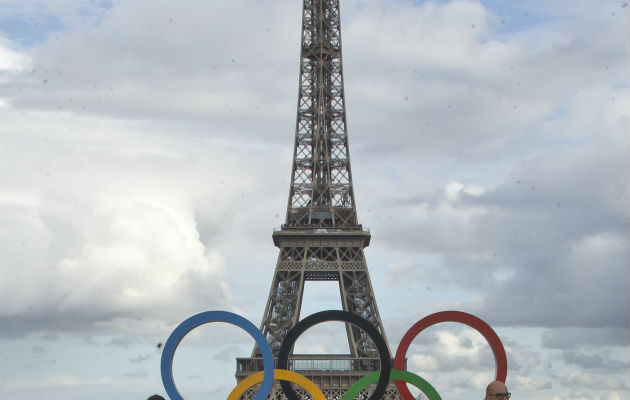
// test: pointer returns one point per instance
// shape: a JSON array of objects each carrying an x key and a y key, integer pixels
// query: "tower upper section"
[{"x": 321, "y": 192}]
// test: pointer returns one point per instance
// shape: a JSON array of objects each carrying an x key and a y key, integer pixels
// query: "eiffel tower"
[{"x": 321, "y": 239}]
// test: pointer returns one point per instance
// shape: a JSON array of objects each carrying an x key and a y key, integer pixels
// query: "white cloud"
[
  {"x": 477, "y": 381},
  {"x": 520, "y": 382},
  {"x": 169, "y": 65},
  {"x": 460, "y": 88},
  {"x": 452, "y": 349},
  {"x": 613, "y": 396},
  {"x": 521, "y": 359},
  {"x": 139, "y": 255},
  {"x": 95, "y": 237},
  {"x": 422, "y": 362},
  {"x": 11, "y": 60},
  {"x": 591, "y": 381},
  {"x": 573, "y": 395},
  {"x": 144, "y": 247},
  {"x": 593, "y": 248},
  {"x": 582, "y": 395},
  {"x": 54, "y": 381}
]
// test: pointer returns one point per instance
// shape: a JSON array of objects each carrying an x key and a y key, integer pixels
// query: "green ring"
[{"x": 396, "y": 374}]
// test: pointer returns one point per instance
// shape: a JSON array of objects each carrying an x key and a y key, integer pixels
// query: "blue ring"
[{"x": 215, "y": 316}]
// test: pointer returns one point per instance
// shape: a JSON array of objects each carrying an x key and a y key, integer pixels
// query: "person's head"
[
  {"x": 497, "y": 391},
  {"x": 156, "y": 397}
]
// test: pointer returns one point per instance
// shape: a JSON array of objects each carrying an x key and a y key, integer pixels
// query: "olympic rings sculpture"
[{"x": 381, "y": 377}]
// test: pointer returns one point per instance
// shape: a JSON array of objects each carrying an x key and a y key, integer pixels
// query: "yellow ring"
[{"x": 281, "y": 374}]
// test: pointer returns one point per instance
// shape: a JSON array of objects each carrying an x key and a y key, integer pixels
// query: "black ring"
[{"x": 336, "y": 315}]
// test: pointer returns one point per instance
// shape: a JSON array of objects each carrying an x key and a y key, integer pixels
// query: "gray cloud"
[
  {"x": 140, "y": 358},
  {"x": 573, "y": 338},
  {"x": 38, "y": 349},
  {"x": 485, "y": 85},
  {"x": 592, "y": 361},
  {"x": 450, "y": 348},
  {"x": 226, "y": 355},
  {"x": 139, "y": 373},
  {"x": 163, "y": 62},
  {"x": 523, "y": 360},
  {"x": 544, "y": 245},
  {"x": 524, "y": 383},
  {"x": 590, "y": 381}
]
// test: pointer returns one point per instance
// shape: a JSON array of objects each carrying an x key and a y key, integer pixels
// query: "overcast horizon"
[{"x": 145, "y": 158}]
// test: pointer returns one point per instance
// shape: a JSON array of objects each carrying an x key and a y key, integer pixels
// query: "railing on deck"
[{"x": 313, "y": 364}]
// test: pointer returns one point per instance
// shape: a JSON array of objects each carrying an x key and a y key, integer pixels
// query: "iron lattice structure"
[
  {"x": 321, "y": 238},
  {"x": 331, "y": 394}
]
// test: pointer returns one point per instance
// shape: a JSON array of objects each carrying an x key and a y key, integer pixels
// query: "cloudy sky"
[{"x": 145, "y": 156}]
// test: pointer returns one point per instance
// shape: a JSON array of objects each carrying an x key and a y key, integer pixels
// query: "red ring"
[{"x": 450, "y": 316}]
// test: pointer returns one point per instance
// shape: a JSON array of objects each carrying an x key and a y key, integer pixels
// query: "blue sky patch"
[{"x": 27, "y": 30}]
